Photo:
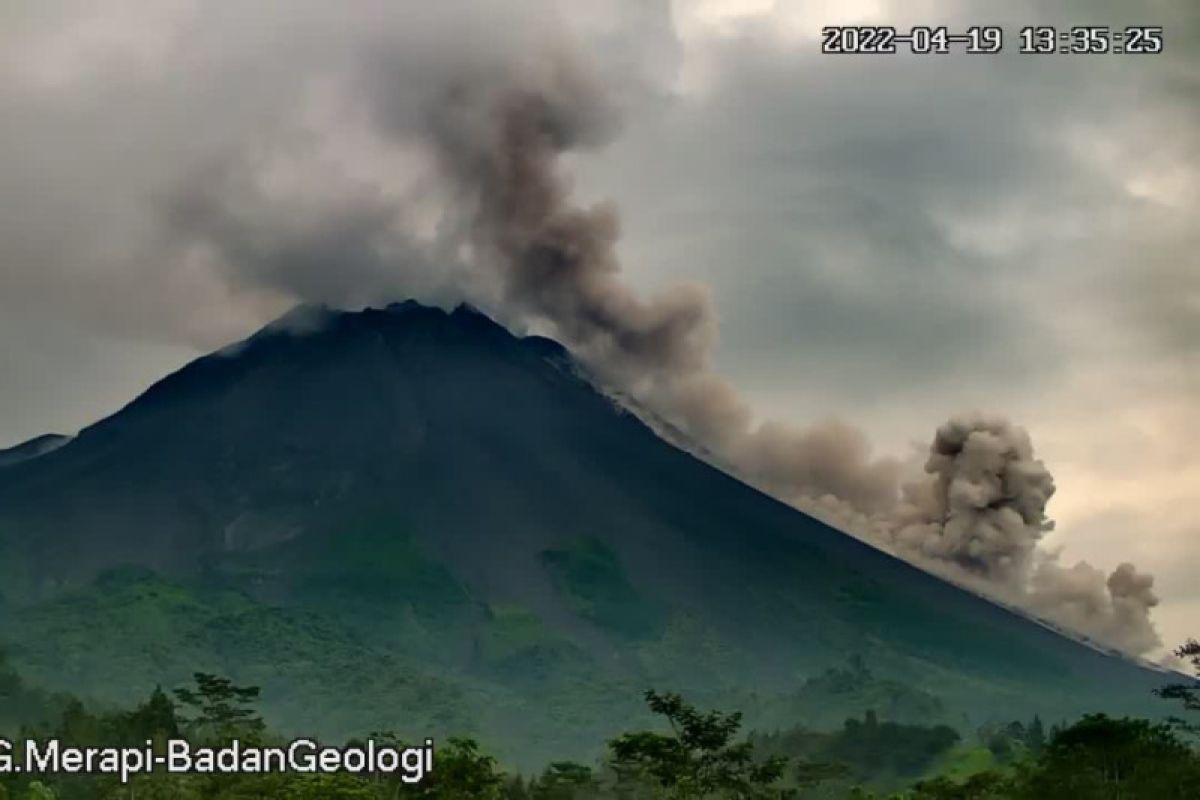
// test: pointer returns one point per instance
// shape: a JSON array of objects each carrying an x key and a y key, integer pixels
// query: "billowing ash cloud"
[
  {"x": 978, "y": 515},
  {"x": 1114, "y": 610},
  {"x": 983, "y": 508},
  {"x": 498, "y": 139},
  {"x": 977, "y": 518}
]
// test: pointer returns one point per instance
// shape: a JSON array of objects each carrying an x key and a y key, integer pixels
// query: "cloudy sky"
[{"x": 888, "y": 239}]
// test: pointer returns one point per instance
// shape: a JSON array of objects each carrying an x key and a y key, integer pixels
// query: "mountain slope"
[
  {"x": 37, "y": 446},
  {"x": 464, "y": 502}
]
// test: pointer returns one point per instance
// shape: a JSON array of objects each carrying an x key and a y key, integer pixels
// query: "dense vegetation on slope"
[{"x": 687, "y": 755}]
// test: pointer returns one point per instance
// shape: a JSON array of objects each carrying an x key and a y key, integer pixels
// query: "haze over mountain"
[{"x": 453, "y": 528}]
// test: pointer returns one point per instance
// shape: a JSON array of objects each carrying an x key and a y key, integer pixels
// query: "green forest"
[{"x": 691, "y": 753}]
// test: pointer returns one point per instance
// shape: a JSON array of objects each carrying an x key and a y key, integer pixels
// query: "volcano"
[{"x": 411, "y": 519}]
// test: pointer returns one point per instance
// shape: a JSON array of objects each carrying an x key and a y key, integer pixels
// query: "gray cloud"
[
  {"x": 836, "y": 251},
  {"x": 112, "y": 115},
  {"x": 980, "y": 518},
  {"x": 56, "y": 377},
  {"x": 1160, "y": 295}
]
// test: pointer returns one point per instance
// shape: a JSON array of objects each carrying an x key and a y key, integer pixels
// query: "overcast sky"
[{"x": 888, "y": 239}]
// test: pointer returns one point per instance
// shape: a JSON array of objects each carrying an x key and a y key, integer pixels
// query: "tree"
[
  {"x": 564, "y": 780},
  {"x": 980, "y": 786},
  {"x": 1102, "y": 757},
  {"x": 221, "y": 709},
  {"x": 39, "y": 791},
  {"x": 807, "y": 774},
  {"x": 78, "y": 727},
  {"x": 1187, "y": 694},
  {"x": 1035, "y": 736},
  {"x": 155, "y": 720},
  {"x": 461, "y": 772},
  {"x": 869, "y": 746},
  {"x": 698, "y": 759}
]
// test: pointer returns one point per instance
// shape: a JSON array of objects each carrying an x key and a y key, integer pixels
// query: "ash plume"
[
  {"x": 498, "y": 143},
  {"x": 979, "y": 513},
  {"x": 978, "y": 518},
  {"x": 983, "y": 506},
  {"x": 1114, "y": 609},
  {"x": 499, "y": 138},
  {"x": 493, "y": 219}
]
